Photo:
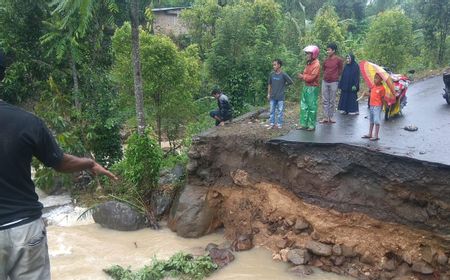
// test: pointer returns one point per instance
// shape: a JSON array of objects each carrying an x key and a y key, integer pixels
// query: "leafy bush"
[
  {"x": 180, "y": 265},
  {"x": 389, "y": 40},
  {"x": 141, "y": 163}
]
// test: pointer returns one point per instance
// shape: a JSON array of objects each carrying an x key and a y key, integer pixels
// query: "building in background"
[{"x": 167, "y": 21}]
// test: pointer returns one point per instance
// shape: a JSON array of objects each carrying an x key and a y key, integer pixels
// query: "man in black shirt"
[{"x": 23, "y": 242}]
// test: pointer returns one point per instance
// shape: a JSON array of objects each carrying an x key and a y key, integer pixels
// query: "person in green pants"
[{"x": 310, "y": 93}]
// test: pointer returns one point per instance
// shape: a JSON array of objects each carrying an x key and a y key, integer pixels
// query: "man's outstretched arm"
[{"x": 70, "y": 163}]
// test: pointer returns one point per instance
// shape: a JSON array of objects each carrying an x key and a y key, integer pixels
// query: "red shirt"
[
  {"x": 376, "y": 95},
  {"x": 332, "y": 69}
]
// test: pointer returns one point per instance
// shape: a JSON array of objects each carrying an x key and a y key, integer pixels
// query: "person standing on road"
[
  {"x": 224, "y": 112},
  {"x": 332, "y": 69},
  {"x": 377, "y": 93},
  {"x": 278, "y": 80},
  {"x": 349, "y": 87},
  {"x": 23, "y": 240},
  {"x": 310, "y": 92}
]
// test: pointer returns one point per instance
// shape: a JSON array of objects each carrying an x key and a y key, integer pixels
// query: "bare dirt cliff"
[{"x": 342, "y": 208}]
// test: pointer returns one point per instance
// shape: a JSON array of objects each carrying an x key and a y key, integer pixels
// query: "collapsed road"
[{"x": 371, "y": 210}]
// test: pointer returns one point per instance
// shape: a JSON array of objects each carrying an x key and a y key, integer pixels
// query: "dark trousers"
[{"x": 216, "y": 113}]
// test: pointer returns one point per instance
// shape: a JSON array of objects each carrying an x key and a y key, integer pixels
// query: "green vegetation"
[
  {"x": 180, "y": 265},
  {"x": 70, "y": 63},
  {"x": 389, "y": 39},
  {"x": 139, "y": 173}
]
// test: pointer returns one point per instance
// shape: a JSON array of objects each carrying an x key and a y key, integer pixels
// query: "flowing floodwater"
[{"x": 81, "y": 249}]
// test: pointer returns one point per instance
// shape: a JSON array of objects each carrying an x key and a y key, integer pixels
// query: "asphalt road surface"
[{"x": 426, "y": 109}]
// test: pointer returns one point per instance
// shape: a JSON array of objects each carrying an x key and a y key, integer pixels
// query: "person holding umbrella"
[
  {"x": 349, "y": 86},
  {"x": 377, "y": 93},
  {"x": 310, "y": 92}
]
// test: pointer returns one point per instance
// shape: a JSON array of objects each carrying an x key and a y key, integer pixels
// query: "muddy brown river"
[{"x": 81, "y": 249}]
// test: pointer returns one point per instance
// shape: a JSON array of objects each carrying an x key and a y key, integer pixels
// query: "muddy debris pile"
[{"x": 342, "y": 209}]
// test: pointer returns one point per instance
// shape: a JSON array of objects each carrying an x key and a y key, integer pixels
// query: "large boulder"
[
  {"x": 161, "y": 202},
  {"x": 190, "y": 215},
  {"x": 168, "y": 184},
  {"x": 119, "y": 216},
  {"x": 172, "y": 176}
]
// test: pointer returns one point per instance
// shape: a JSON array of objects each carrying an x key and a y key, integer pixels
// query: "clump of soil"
[{"x": 358, "y": 245}]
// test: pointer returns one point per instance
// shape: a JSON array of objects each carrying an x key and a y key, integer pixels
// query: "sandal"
[
  {"x": 374, "y": 139},
  {"x": 310, "y": 129},
  {"x": 324, "y": 121},
  {"x": 367, "y": 137},
  {"x": 331, "y": 121}
]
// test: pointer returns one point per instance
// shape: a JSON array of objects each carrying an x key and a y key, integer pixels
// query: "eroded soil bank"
[{"x": 341, "y": 208}]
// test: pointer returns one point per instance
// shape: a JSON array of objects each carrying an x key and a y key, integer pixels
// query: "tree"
[
  {"x": 170, "y": 78},
  {"x": 435, "y": 20},
  {"x": 68, "y": 26},
  {"x": 349, "y": 9},
  {"x": 389, "y": 39},
  {"x": 137, "y": 75},
  {"x": 294, "y": 24},
  {"x": 309, "y": 7},
  {"x": 21, "y": 27},
  {"x": 77, "y": 34},
  {"x": 201, "y": 23},
  {"x": 326, "y": 29},
  {"x": 247, "y": 39}
]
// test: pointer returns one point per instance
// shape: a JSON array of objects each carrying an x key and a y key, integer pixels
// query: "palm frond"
[
  {"x": 139, "y": 208},
  {"x": 87, "y": 212}
]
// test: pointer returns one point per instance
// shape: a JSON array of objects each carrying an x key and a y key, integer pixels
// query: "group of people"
[{"x": 336, "y": 77}]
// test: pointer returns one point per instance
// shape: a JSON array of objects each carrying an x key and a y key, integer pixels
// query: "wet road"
[{"x": 426, "y": 109}]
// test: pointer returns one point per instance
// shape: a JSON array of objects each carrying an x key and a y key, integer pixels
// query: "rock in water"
[
  {"x": 190, "y": 215},
  {"x": 119, "y": 216},
  {"x": 243, "y": 242},
  {"x": 301, "y": 270},
  {"x": 221, "y": 257}
]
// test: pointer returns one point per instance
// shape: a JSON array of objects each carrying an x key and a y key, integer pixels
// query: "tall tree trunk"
[
  {"x": 76, "y": 87},
  {"x": 158, "y": 118},
  {"x": 138, "y": 93},
  {"x": 441, "y": 52},
  {"x": 443, "y": 36}
]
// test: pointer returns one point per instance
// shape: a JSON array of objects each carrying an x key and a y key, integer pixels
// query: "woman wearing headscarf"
[{"x": 349, "y": 86}]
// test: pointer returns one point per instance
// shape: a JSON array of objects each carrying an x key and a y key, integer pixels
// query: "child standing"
[
  {"x": 377, "y": 93},
  {"x": 278, "y": 81}
]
